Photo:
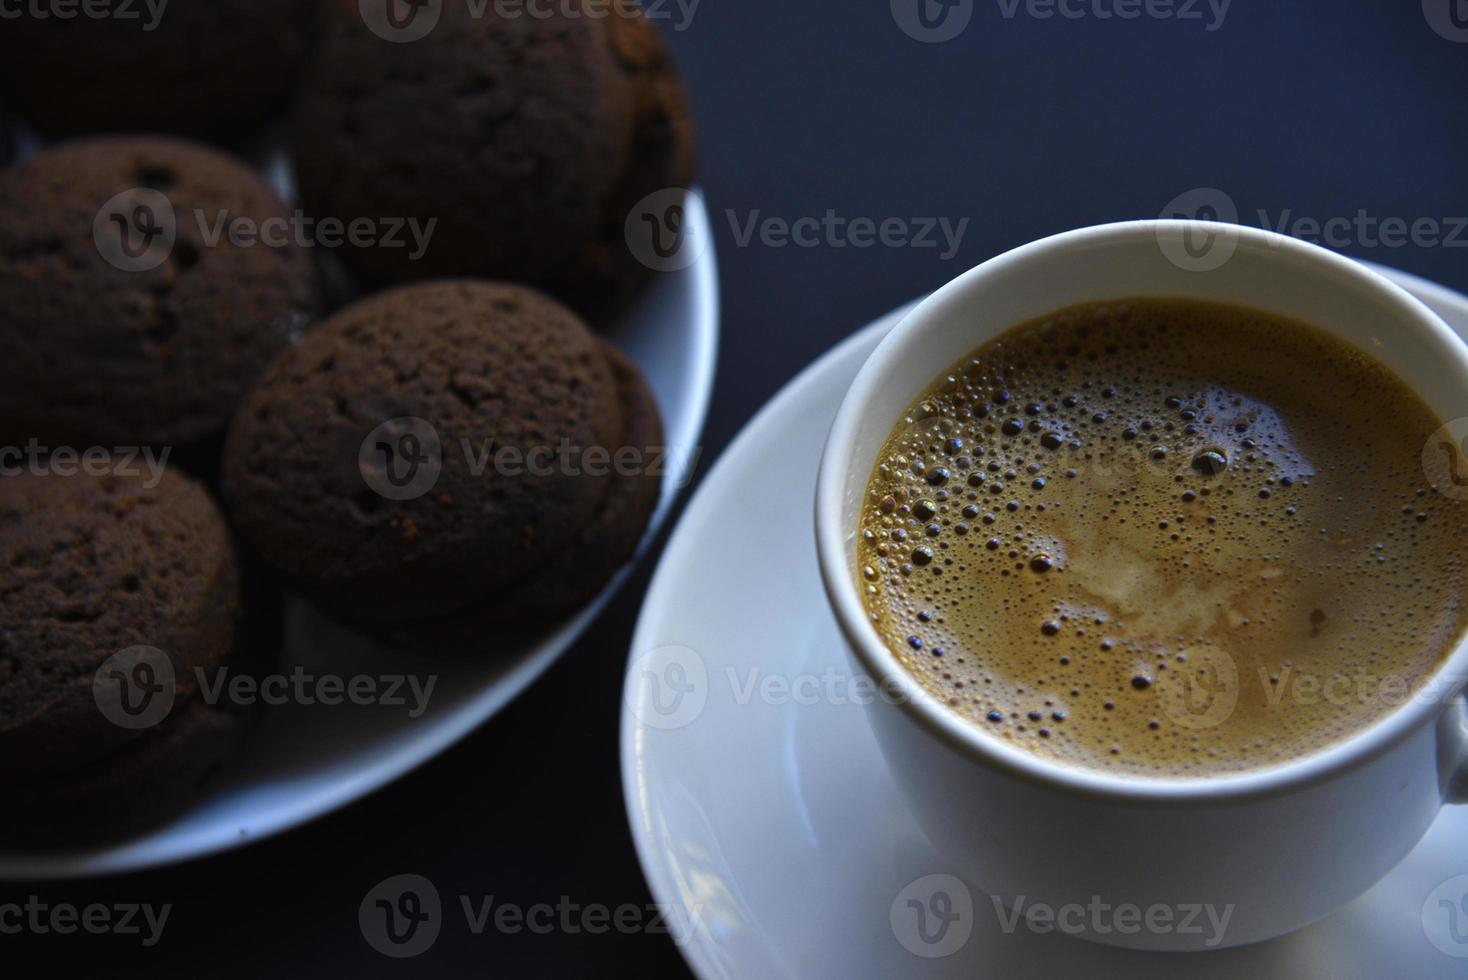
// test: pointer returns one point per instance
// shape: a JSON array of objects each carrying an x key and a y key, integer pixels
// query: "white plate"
[
  {"x": 308, "y": 760},
  {"x": 769, "y": 819}
]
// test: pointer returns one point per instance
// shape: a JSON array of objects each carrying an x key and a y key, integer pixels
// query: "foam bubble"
[{"x": 1116, "y": 516}]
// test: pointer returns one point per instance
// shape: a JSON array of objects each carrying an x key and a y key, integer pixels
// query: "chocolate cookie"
[
  {"x": 525, "y": 139},
  {"x": 136, "y": 306},
  {"x": 95, "y": 565},
  {"x": 216, "y": 69},
  {"x": 418, "y": 452}
]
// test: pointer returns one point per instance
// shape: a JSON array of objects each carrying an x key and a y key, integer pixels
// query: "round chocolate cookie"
[
  {"x": 108, "y": 580},
  {"x": 421, "y": 450},
  {"x": 137, "y": 305},
  {"x": 516, "y": 145},
  {"x": 216, "y": 69}
]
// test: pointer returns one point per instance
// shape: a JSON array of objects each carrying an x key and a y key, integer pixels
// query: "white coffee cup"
[{"x": 1277, "y": 848}]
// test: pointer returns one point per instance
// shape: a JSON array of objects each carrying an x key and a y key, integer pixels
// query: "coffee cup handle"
[{"x": 1457, "y": 776}]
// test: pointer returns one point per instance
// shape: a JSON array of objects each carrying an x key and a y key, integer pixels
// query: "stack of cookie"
[{"x": 460, "y": 448}]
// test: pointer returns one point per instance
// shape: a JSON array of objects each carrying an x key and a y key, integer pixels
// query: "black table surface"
[{"x": 1021, "y": 126}]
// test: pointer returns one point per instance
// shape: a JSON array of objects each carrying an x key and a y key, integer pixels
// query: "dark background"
[{"x": 1025, "y": 127}]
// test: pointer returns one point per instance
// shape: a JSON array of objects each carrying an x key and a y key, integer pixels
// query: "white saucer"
[
  {"x": 774, "y": 825},
  {"x": 308, "y": 760}
]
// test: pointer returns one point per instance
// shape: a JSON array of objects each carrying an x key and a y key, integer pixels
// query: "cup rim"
[{"x": 969, "y": 739}]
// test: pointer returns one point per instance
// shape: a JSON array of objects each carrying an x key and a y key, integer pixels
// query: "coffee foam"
[{"x": 1124, "y": 536}]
